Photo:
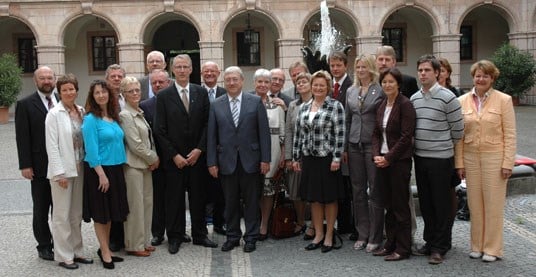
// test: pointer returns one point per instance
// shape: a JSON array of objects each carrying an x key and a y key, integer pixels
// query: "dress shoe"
[
  {"x": 72, "y": 265},
  {"x": 488, "y": 258},
  {"x": 360, "y": 245},
  {"x": 353, "y": 236},
  {"x": 326, "y": 248},
  {"x": 114, "y": 258},
  {"x": 422, "y": 251},
  {"x": 262, "y": 237},
  {"x": 82, "y": 260},
  {"x": 46, "y": 254},
  {"x": 141, "y": 253},
  {"x": 220, "y": 230},
  {"x": 155, "y": 241},
  {"x": 114, "y": 247},
  {"x": 109, "y": 265},
  {"x": 173, "y": 246},
  {"x": 382, "y": 252},
  {"x": 229, "y": 245},
  {"x": 205, "y": 242},
  {"x": 249, "y": 246},
  {"x": 150, "y": 248},
  {"x": 394, "y": 257},
  {"x": 313, "y": 246},
  {"x": 309, "y": 236},
  {"x": 435, "y": 258},
  {"x": 371, "y": 247},
  {"x": 475, "y": 255},
  {"x": 186, "y": 238}
]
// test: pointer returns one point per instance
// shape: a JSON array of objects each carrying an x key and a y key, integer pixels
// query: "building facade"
[{"x": 83, "y": 37}]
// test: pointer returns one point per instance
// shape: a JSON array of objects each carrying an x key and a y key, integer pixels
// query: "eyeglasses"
[
  {"x": 181, "y": 67},
  {"x": 278, "y": 80},
  {"x": 132, "y": 91}
]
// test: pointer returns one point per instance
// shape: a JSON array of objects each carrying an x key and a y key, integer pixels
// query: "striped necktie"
[
  {"x": 211, "y": 95},
  {"x": 50, "y": 105},
  {"x": 234, "y": 111}
]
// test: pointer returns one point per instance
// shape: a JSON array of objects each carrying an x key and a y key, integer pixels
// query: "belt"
[{"x": 274, "y": 131}]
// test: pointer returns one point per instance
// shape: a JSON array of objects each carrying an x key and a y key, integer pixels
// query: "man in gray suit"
[
  {"x": 155, "y": 60},
  {"x": 238, "y": 150}
]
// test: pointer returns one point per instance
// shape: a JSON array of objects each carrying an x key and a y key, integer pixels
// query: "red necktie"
[
  {"x": 336, "y": 90},
  {"x": 50, "y": 105}
]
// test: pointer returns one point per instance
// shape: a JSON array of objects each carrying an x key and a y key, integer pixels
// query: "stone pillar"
[
  {"x": 448, "y": 46},
  {"x": 52, "y": 56},
  {"x": 131, "y": 58},
  {"x": 367, "y": 44},
  {"x": 289, "y": 52},
  {"x": 212, "y": 51},
  {"x": 526, "y": 41}
]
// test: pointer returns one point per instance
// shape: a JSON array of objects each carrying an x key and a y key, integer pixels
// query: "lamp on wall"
[{"x": 248, "y": 32}]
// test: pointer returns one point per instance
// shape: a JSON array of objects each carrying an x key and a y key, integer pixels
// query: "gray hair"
[
  {"x": 128, "y": 80},
  {"x": 262, "y": 73},
  {"x": 233, "y": 69},
  {"x": 114, "y": 67},
  {"x": 156, "y": 71},
  {"x": 156, "y": 53}
]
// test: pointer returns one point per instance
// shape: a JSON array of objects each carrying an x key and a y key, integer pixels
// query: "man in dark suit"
[
  {"x": 159, "y": 80},
  {"x": 238, "y": 150},
  {"x": 385, "y": 59},
  {"x": 210, "y": 72},
  {"x": 30, "y": 114},
  {"x": 155, "y": 60},
  {"x": 278, "y": 81},
  {"x": 181, "y": 130},
  {"x": 338, "y": 65},
  {"x": 294, "y": 70}
]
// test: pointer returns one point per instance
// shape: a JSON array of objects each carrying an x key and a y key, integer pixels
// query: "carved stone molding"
[
  {"x": 169, "y": 5},
  {"x": 4, "y": 9},
  {"x": 87, "y": 6},
  {"x": 250, "y": 4}
]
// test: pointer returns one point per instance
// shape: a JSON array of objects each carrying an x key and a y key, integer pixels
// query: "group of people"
[{"x": 127, "y": 159}]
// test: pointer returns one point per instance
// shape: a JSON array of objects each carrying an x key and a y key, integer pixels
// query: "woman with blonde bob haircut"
[{"x": 485, "y": 158}]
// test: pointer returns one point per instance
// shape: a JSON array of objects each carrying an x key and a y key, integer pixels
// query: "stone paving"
[{"x": 273, "y": 257}]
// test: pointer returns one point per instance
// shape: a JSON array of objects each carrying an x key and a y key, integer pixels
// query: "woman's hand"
[
  {"x": 506, "y": 173},
  {"x": 288, "y": 164},
  {"x": 381, "y": 162},
  {"x": 296, "y": 166},
  {"x": 461, "y": 173},
  {"x": 335, "y": 166},
  {"x": 63, "y": 183},
  {"x": 104, "y": 184}
]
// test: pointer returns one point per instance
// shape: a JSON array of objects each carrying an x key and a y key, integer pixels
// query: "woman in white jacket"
[{"x": 65, "y": 151}]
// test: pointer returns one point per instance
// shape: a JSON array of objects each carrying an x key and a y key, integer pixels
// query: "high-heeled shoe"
[
  {"x": 262, "y": 237},
  {"x": 300, "y": 231},
  {"x": 313, "y": 246},
  {"x": 107, "y": 265},
  {"x": 114, "y": 258},
  {"x": 309, "y": 237}
]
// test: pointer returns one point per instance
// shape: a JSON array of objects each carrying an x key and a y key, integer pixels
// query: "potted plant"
[
  {"x": 517, "y": 71},
  {"x": 10, "y": 84}
]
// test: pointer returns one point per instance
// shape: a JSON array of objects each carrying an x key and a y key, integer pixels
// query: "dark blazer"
[
  {"x": 149, "y": 109},
  {"x": 178, "y": 131},
  {"x": 409, "y": 85},
  {"x": 399, "y": 131},
  {"x": 30, "y": 114},
  {"x": 250, "y": 140},
  {"x": 219, "y": 91},
  {"x": 287, "y": 99},
  {"x": 342, "y": 90}
]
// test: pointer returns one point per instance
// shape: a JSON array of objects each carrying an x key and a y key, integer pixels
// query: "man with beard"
[{"x": 30, "y": 115}]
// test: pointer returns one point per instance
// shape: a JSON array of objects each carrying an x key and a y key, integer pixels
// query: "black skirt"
[
  {"x": 318, "y": 182},
  {"x": 109, "y": 206}
]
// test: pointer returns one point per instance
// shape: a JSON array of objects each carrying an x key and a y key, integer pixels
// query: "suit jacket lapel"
[
  {"x": 175, "y": 98},
  {"x": 36, "y": 100}
]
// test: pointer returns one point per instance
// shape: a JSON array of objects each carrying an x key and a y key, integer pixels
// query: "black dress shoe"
[
  {"x": 326, "y": 248},
  {"x": 220, "y": 230},
  {"x": 155, "y": 241},
  {"x": 394, "y": 257},
  {"x": 205, "y": 242},
  {"x": 186, "y": 238},
  {"x": 262, "y": 237},
  {"x": 114, "y": 258},
  {"x": 109, "y": 265},
  {"x": 173, "y": 246},
  {"x": 83, "y": 260},
  {"x": 435, "y": 258},
  {"x": 229, "y": 245},
  {"x": 114, "y": 247},
  {"x": 422, "y": 251},
  {"x": 353, "y": 236},
  {"x": 249, "y": 246},
  {"x": 382, "y": 252},
  {"x": 313, "y": 246},
  {"x": 46, "y": 254},
  {"x": 68, "y": 266}
]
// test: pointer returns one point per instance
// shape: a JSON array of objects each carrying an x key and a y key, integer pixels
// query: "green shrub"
[
  {"x": 10, "y": 79},
  {"x": 518, "y": 70}
]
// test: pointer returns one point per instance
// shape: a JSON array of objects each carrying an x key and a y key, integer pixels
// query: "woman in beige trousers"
[{"x": 485, "y": 157}]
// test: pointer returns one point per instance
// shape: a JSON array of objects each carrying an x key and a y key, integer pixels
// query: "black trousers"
[
  {"x": 393, "y": 183},
  {"x": 178, "y": 181},
  {"x": 42, "y": 206},
  {"x": 216, "y": 198},
  {"x": 345, "y": 218},
  {"x": 158, "y": 225},
  {"x": 434, "y": 179},
  {"x": 244, "y": 186}
]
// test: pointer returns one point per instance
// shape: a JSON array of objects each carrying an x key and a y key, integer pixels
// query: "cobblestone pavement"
[{"x": 273, "y": 257}]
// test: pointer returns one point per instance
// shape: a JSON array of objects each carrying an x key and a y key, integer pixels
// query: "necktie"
[
  {"x": 50, "y": 105},
  {"x": 211, "y": 95},
  {"x": 184, "y": 99},
  {"x": 234, "y": 111},
  {"x": 336, "y": 90}
]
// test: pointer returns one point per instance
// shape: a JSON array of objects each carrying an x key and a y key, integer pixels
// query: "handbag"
[{"x": 283, "y": 217}]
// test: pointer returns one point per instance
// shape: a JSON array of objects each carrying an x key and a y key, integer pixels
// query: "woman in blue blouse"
[
  {"x": 318, "y": 144},
  {"x": 105, "y": 198}
]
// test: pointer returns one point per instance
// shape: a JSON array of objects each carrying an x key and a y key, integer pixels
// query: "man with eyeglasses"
[
  {"x": 155, "y": 60},
  {"x": 278, "y": 81},
  {"x": 294, "y": 70},
  {"x": 180, "y": 127}
]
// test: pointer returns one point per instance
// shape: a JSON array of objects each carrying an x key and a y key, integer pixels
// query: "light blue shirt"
[{"x": 103, "y": 141}]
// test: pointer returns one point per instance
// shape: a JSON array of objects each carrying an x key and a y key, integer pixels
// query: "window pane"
[
  {"x": 248, "y": 54},
  {"x": 466, "y": 43}
]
